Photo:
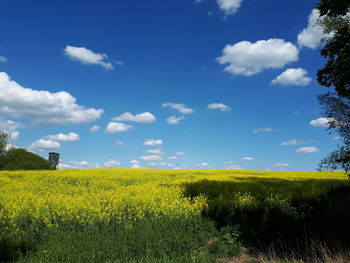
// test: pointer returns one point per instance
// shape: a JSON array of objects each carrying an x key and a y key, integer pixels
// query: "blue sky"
[{"x": 168, "y": 84}]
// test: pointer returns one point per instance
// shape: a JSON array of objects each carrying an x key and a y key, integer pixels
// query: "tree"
[
  {"x": 21, "y": 159},
  {"x": 336, "y": 73},
  {"x": 4, "y": 137}
]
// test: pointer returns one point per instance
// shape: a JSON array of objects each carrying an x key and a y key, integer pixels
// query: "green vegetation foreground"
[{"x": 150, "y": 215}]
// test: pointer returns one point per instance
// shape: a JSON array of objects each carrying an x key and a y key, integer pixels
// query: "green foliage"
[
  {"x": 149, "y": 241},
  {"x": 282, "y": 214},
  {"x": 4, "y": 137},
  {"x": 333, "y": 7},
  {"x": 21, "y": 159},
  {"x": 226, "y": 245},
  {"x": 336, "y": 73}
]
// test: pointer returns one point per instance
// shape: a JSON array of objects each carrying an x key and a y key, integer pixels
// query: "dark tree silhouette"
[{"x": 336, "y": 73}]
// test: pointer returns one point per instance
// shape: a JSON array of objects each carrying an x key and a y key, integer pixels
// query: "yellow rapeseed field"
[{"x": 115, "y": 195}]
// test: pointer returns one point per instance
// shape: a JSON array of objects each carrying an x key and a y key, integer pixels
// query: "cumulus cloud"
[
  {"x": 3, "y": 59},
  {"x": 44, "y": 145},
  {"x": 151, "y": 142},
  {"x": 246, "y": 58},
  {"x": 113, "y": 127},
  {"x": 263, "y": 130},
  {"x": 180, "y": 153},
  {"x": 145, "y": 117},
  {"x": 155, "y": 152},
  {"x": 10, "y": 127},
  {"x": 174, "y": 120},
  {"x": 320, "y": 122},
  {"x": 111, "y": 163},
  {"x": 172, "y": 157},
  {"x": 86, "y": 56},
  {"x": 306, "y": 150},
  {"x": 153, "y": 157},
  {"x": 180, "y": 107},
  {"x": 293, "y": 76},
  {"x": 218, "y": 106},
  {"x": 312, "y": 35},
  {"x": 135, "y": 164},
  {"x": 229, "y": 6},
  {"x": 42, "y": 107},
  {"x": 72, "y": 136},
  {"x": 94, "y": 128},
  {"x": 247, "y": 158}
]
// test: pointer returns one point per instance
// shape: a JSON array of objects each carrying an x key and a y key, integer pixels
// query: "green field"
[{"x": 151, "y": 215}]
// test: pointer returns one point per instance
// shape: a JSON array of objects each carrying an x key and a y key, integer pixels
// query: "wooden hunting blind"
[{"x": 54, "y": 159}]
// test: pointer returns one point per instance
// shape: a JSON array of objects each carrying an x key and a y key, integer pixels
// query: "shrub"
[{"x": 21, "y": 159}]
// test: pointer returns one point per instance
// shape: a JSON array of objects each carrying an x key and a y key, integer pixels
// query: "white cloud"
[
  {"x": 164, "y": 164},
  {"x": 72, "y": 136},
  {"x": 248, "y": 158},
  {"x": 62, "y": 166},
  {"x": 94, "y": 128},
  {"x": 246, "y": 58},
  {"x": 293, "y": 76},
  {"x": 229, "y": 6},
  {"x": 180, "y": 153},
  {"x": 320, "y": 122},
  {"x": 174, "y": 120},
  {"x": 203, "y": 165},
  {"x": 263, "y": 130},
  {"x": 312, "y": 35},
  {"x": 153, "y": 157},
  {"x": 43, "y": 145},
  {"x": 111, "y": 163},
  {"x": 233, "y": 167},
  {"x": 10, "y": 127},
  {"x": 113, "y": 127},
  {"x": 155, "y": 151},
  {"x": 292, "y": 142},
  {"x": 219, "y": 106},
  {"x": 120, "y": 63},
  {"x": 3, "y": 59},
  {"x": 86, "y": 56},
  {"x": 172, "y": 157},
  {"x": 281, "y": 165},
  {"x": 145, "y": 117},
  {"x": 42, "y": 107},
  {"x": 135, "y": 164},
  {"x": 180, "y": 107},
  {"x": 82, "y": 163},
  {"x": 152, "y": 142},
  {"x": 119, "y": 143},
  {"x": 305, "y": 150},
  {"x": 77, "y": 165}
]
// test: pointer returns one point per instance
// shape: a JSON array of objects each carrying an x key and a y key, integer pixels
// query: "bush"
[{"x": 21, "y": 159}]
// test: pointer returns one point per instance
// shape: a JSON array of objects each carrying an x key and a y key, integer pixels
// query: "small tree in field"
[{"x": 4, "y": 137}]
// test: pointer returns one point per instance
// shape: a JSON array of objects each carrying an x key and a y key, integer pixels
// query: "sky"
[{"x": 176, "y": 84}]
